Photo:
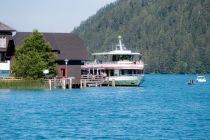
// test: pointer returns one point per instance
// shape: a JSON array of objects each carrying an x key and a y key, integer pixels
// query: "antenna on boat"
[{"x": 120, "y": 42}]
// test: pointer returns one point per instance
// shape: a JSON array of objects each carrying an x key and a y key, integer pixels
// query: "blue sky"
[{"x": 48, "y": 15}]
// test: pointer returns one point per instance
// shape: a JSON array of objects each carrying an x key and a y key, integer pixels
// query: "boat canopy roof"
[
  {"x": 120, "y": 50},
  {"x": 117, "y": 52},
  {"x": 201, "y": 77}
]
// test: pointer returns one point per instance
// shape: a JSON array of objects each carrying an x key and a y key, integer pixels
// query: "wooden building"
[
  {"x": 5, "y": 48},
  {"x": 70, "y": 49}
]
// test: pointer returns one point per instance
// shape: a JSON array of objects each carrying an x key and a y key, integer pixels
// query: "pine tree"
[{"x": 32, "y": 57}]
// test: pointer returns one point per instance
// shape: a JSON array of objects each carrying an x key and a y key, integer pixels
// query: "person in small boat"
[{"x": 191, "y": 82}]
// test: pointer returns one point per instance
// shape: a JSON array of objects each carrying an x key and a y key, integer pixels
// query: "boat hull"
[
  {"x": 126, "y": 80},
  {"x": 201, "y": 79}
]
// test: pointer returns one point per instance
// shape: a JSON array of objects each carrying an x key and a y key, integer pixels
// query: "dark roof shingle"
[{"x": 69, "y": 45}]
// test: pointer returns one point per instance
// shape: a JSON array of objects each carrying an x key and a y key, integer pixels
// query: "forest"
[{"x": 173, "y": 36}]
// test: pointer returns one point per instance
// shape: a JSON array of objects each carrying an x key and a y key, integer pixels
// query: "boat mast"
[{"x": 120, "y": 42}]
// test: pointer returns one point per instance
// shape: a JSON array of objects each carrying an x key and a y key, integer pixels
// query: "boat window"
[
  {"x": 126, "y": 57},
  {"x": 126, "y": 72},
  {"x": 114, "y": 58},
  {"x": 139, "y": 71},
  {"x": 116, "y": 72},
  {"x": 122, "y": 57},
  {"x": 84, "y": 72},
  {"x": 111, "y": 73},
  {"x": 129, "y": 72},
  {"x": 101, "y": 58}
]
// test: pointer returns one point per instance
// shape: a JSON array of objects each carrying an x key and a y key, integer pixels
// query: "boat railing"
[
  {"x": 117, "y": 62},
  {"x": 128, "y": 75}
]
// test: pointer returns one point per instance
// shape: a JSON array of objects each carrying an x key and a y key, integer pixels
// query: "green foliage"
[
  {"x": 172, "y": 35},
  {"x": 32, "y": 57},
  {"x": 24, "y": 84}
]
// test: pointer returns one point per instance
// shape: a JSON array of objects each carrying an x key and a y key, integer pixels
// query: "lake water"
[{"x": 164, "y": 107}]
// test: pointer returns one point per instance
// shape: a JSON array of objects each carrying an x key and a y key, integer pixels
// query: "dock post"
[
  {"x": 85, "y": 83},
  {"x": 113, "y": 83},
  {"x": 64, "y": 83},
  {"x": 81, "y": 81},
  {"x": 54, "y": 83},
  {"x": 70, "y": 83},
  {"x": 50, "y": 84}
]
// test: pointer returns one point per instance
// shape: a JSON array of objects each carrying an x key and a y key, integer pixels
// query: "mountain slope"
[{"x": 172, "y": 35}]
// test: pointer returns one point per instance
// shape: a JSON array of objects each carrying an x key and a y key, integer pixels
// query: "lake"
[{"x": 164, "y": 107}]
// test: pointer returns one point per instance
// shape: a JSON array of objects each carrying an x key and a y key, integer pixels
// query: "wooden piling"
[
  {"x": 113, "y": 83},
  {"x": 85, "y": 83},
  {"x": 50, "y": 84},
  {"x": 64, "y": 83},
  {"x": 54, "y": 83},
  {"x": 81, "y": 81},
  {"x": 70, "y": 83}
]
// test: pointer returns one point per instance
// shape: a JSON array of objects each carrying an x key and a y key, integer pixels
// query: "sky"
[{"x": 48, "y": 15}]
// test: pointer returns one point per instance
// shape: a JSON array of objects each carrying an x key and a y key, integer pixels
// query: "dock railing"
[
  {"x": 63, "y": 83},
  {"x": 92, "y": 80}
]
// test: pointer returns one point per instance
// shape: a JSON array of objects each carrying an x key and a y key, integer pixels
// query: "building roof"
[
  {"x": 69, "y": 45},
  {"x": 4, "y": 27}
]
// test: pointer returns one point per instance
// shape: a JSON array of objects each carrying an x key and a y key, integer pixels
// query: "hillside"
[{"x": 172, "y": 35}]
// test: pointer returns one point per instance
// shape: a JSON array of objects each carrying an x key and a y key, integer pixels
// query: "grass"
[{"x": 24, "y": 84}]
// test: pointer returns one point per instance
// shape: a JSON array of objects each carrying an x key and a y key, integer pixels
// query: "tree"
[
  {"x": 172, "y": 35},
  {"x": 32, "y": 57}
]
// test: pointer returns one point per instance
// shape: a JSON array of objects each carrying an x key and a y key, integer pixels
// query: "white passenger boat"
[
  {"x": 122, "y": 66},
  {"x": 201, "y": 79}
]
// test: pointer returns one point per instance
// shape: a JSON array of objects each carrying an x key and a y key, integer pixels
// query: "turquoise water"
[{"x": 164, "y": 107}]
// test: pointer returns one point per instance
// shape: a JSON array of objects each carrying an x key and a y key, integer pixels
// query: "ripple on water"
[{"x": 164, "y": 107}]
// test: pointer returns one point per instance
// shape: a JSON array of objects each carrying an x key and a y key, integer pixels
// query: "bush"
[{"x": 24, "y": 84}]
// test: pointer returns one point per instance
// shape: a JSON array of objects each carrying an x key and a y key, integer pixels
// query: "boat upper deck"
[{"x": 114, "y": 65}]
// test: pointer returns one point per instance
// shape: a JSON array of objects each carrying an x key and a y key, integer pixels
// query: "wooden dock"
[
  {"x": 85, "y": 81},
  {"x": 94, "y": 81},
  {"x": 91, "y": 81},
  {"x": 64, "y": 83}
]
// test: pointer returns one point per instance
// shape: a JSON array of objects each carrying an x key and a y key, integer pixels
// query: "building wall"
[
  {"x": 4, "y": 69},
  {"x": 4, "y": 64},
  {"x": 75, "y": 71},
  {"x": 8, "y": 36}
]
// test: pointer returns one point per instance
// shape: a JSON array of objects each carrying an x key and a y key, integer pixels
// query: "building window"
[{"x": 3, "y": 42}]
